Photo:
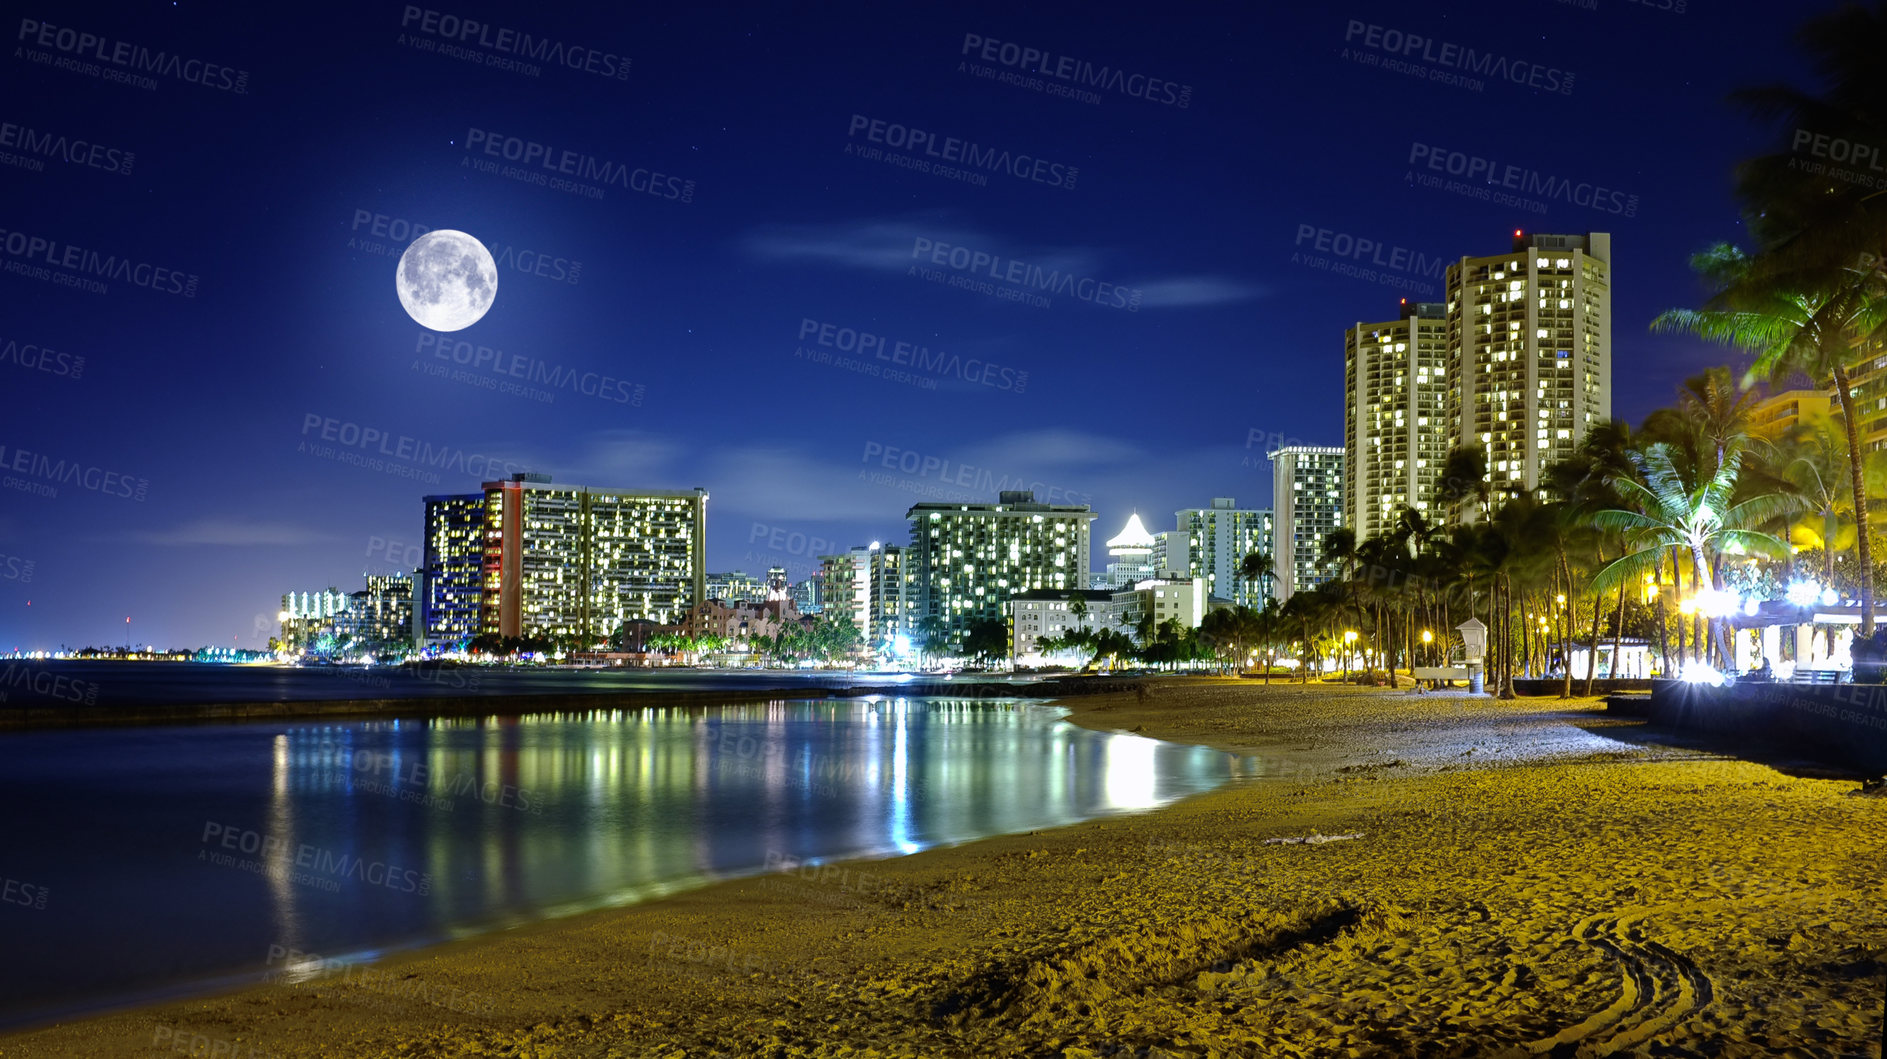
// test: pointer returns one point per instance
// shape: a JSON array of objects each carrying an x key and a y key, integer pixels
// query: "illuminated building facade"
[
  {"x": 845, "y": 585},
  {"x": 306, "y": 615},
  {"x": 1307, "y": 494},
  {"x": 966, "y": 561},
  {"x": 1218, "y": 538},
  {"x": 1037, "y": 616},
  {"x": 871, "y": 584},
  {"x": 450, "y": 581},
  {"x": 1395, "y": 407},
  {"x": 1131, "y": 551},
  {"x": 1529, "y": 354},
  {"x": 1780, "y": 413},
  {"x": 736, "y": 587},
  {"x": 564, "y": 560},
  {"x": 379, "y": 618}
]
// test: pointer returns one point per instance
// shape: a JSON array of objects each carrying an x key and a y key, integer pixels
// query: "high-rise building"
[
  {"x": 890, "y": 603},
  {"x": 845, "y": 585},
  {"x": 1395, "y": 406},
  {"x": 1171, "y": 554},
  {"x": 736, "y": 586},
  {"x": 1131, "y": 555},
  {"x": 967, "y": 560},
  {"x": 1530, "y": 354},
  {"x": 380, "y": 618},
  {"x": 808, "y": 596},
  {"x": 868, "y": 582},
  {"x": 1218, "y": 538},
  {"x": 1307, "y": 495},
  {"x": 563, "y": 560},
  {"x": 305, "y": 616},
  {"x": 451, "y": 574}
]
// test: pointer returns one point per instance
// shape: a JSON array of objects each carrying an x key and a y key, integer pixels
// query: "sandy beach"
[{"x": 1431, "y": 875}]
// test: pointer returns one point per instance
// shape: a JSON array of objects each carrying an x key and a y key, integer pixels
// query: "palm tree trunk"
[
  {"x": 1565, "y": 634},
  {"x": 1664, "y": 639},
  {"x": 1618, "y": 631},
  {"x": 1592, "y": 652},
  {"x": 1506, "y": 682},
  {"x": 1677, "y": 589},
  {"x": 1864, "y": 551},
  {"x": 1703, "y": 578}
]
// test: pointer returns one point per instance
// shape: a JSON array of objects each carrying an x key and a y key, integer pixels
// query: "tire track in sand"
[{"x": 1660, "y": 989}]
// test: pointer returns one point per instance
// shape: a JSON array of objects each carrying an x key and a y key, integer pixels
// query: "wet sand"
[{"x": 1404, "y": 875}]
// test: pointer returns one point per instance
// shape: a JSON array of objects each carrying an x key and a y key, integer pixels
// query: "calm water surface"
[{"x": 140, "y": 862}]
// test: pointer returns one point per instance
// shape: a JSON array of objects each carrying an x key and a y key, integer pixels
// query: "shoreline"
[
  {"x": 500, "y": 704},
  {"x": 1189, "y": 928}
]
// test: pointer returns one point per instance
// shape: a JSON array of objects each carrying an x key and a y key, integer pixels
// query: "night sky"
[{"x": 244, "y": 207}]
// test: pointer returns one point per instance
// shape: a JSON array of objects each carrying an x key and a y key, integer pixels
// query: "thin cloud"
[
  {"x": 231, "y": 532},
  {"x": 1189, "y": 292}
]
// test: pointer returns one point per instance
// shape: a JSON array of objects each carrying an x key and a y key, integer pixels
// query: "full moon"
[{"x": 446, "y": 280}]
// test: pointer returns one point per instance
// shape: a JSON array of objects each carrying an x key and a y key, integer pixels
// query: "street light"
[{"x": 1349, "y": 654}]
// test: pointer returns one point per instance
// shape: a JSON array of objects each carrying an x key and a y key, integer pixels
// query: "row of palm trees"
[{"x": 1697, "y": 503}]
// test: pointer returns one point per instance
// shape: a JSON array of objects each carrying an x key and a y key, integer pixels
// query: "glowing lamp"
[
  {"x": 1802, "y": 593},
  {"x": 1718, "y": 602},
  {"x": 1696, "y": 672}
]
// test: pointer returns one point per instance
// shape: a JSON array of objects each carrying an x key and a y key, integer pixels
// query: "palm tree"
[
  {"x": 1464, "y": 478},
  {"x": 1698, "y": 515},
  {"x": 1816, "y": 332},
  {"x": 1258, "y": 566}
]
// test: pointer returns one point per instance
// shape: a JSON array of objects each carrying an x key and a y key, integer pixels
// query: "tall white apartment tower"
[
  {"x": 1307, "y": 503},
  {"x": 1530, "y": 353},
  {"x": 1396, "y": 433},
  {"x": 1218, "y": 538}
]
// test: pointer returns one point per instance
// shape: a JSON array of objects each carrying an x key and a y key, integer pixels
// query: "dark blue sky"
[{"x": 213, "y": 407}]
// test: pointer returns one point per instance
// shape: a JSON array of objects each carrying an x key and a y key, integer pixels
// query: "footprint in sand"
[{"x": 1660, "y": 989}]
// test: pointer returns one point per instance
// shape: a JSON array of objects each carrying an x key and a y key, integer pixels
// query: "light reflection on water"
[{"x": 356, "y": 837}]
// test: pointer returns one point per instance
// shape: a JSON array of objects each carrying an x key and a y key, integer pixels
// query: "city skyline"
[{"x": 784, "y": 318}]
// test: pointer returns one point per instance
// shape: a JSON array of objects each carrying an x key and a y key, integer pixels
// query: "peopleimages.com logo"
[
  {"x": 532, "y": 156},
  {"x": 37, "y": 144},
  {"x": 398, "y": 233},
  {"x": 32, "y": 251},
  {"x": 1489, "y": 173},
  {"x": 42, "y": 475},
  {"x": 513, "y": 43},
  {"x": 1455, "y": 58},
  {"x": 909, "y": 354},
  {"x": 975, "y": 264},
  {"x": 967, "y": 153},
  {"x": 1088, "y": 75},
  {"x": 38, "y": 358}
]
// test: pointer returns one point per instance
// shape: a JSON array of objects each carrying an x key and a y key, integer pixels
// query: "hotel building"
[
  {"x": 737, "y": 586},
  {"x": 1780, "y": 413},
  {"x": 1395, "y": 406},
  {"x": 1529, "y": 353},
  {"x": 451, "y": 574},
  {"x": 1132, "y": 553},
  {"x": 1218, "y": 538},
  {"x": 563, "y": 560},
  {"x": 1037, "y": 616},
  {"x": 966, "y": 561},
  {"x": 1307, "y": 496}
]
